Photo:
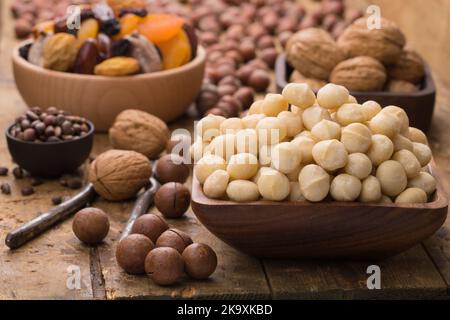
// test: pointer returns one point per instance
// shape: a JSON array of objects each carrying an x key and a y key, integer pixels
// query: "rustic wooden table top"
[{"x": 39, "y": 270}]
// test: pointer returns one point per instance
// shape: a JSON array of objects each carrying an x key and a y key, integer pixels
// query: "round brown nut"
[
  {"x": 401, "y": 86},
  {"x": 409, "y": 67},
  {"x": 384, "y": 44},
  {"x": 171, "y": 168},
  {"x": 247, "y": 50},
  {"x": 178, "y": 144},
  {"x": 244, "y": 73},
  {"x": 173, "y": 200},
  {"x": 269, "y": 56},
  {"x": 131, "y": 252},
  {"x": 246, "y": 96},
  {"x": 259, "y": 80},
  {"x": 360, "y": 74},
  {"x": 90, "y": 225},
  {"x": 150, "y": 225},
  {"x": 139, "y": 131},
  {"x": 174, "y": 238},
  {"x": 165, "y": 265},
  {"x": 313, "y": 53},
  {"x": 200, "y": 261}
]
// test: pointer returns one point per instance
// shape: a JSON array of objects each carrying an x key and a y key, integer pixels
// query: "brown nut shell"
[
  {"x": 91, "y": 225},
  {"x": 409, "y": 67},
  {"x": 401, "y": 86},
  {"x": 150, "y": 225},
  {"x": 200, "y": 261},
  {"x": 131, "y": 252},
  {"x": 165, "y": 265},
  {"x": 174, "y": 238},
  {"x": 359, "y": 74},
  {"x": 171, "y": 168},
  {"x": 60, "y": 52},
  {"x": 173, "y": 200}
]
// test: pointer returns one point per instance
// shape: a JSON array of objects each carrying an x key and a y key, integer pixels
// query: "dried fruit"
[
  {"x": 117, "y": 66},
  {"x": 104, "y": 46},
  {"x": 43, "y": 27},
  {"x": 35, "y": 55},
  {"x": 139, "y": 131},
  {"x": 129, "y": 23},
  {"x": 118, "y": 175},
  {"x": 119, "y": 5},
  {"x": 87, "y": 58},
  {"x": 60, "y": 51},
  {"x": 145, "y": 52},
  {"x": 160, "y": 28},
  {"x": 88, "y": 30},
  {"x": 176, "y": 51}
]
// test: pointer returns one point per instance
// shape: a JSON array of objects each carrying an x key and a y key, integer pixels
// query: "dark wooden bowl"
[
  {"x": 327, "y": 230},
  {"x": 51, "y": 159},
  {"x": 418, "y": 105}
]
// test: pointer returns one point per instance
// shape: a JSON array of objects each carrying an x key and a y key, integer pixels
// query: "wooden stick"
[{"x": 45, "y": 221}]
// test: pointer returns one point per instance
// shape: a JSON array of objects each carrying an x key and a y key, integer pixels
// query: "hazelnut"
[
  {"x": 150, "y": 225},
  {"x": 244, "y": 73},
  {"x": 165, "y": 266},
  {"x": 246, "y": 96},
  {"x": 266, "y": 42},
  {"x": 247, "y": 50},
  {"x": 91, "y": 225},
  {"x": 131, "y": 252},
  {"x": 200, "y": 261},
  {"x": 226, "y": 90},
  {"x": 171, "y": 168},
  {"x": 139, "y": 131},
  {"x": 259, "y": 80},
  {"x": 173, "y": 200},
  {"x": 174, "y": 238},
  {"x": 269, "y": 56}
]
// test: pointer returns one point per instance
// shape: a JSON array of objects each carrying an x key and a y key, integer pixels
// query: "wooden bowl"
[
  {"x": 326, "y": 230},
  {"x": 418, "y": 105},
  {"x": 166, "y": 94},
  {"x": 50, "y": 159}
]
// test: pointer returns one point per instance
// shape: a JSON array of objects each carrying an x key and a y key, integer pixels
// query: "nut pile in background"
[
  {"x": 298, "y": 147},
  {"x": 361, "y": 59}
]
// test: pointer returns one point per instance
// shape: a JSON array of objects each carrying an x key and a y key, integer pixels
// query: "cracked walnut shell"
[
  {"x": 384, "y": 44},
  {"x": 139, "y": 131},
  {"x": 409, "y": 67},
  {"x": 119, "y": 175},
  {"x": 359, "y": 74},
  {"x": 314, "y": 53}
]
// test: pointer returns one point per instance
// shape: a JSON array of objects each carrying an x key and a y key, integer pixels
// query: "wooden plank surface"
[{"x": 39, "y": 269}]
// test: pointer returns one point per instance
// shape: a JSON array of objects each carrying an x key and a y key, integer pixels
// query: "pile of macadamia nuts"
[{"x": 295, "y": 146}]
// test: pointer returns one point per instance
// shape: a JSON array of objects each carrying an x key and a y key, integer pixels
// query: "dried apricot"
[
  {"x": 118, "y": 5},
  {"x": 117, "y": 66},
  {"x": 45, "y": 26},
  {"x": 128, "y": 24},
  {"x": 88, "y": 29},
  {"x": 177, "y": 51},
  {"x": 160, "y": 28}
]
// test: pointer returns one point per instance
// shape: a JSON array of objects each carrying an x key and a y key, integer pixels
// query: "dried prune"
[
  {"x": 121, "y": 47},
  {"x": 87, "y": 58},
  {"x": 110, "y": 27}
]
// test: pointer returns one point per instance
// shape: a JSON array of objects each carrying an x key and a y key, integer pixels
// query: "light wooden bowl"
[
  {"x": 326, "y": 230},
  {"x": 166, "y": 94}
]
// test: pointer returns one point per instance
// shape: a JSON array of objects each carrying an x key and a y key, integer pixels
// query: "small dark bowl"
[
  {"x": 50, "y": 159},
  {"x": 418, "y": 105}
]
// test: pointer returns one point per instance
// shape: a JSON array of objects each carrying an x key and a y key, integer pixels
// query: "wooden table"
[{"x": 41, "y": 269}]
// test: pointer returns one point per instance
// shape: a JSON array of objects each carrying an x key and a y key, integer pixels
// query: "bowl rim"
[
  {"x": 199, "y": 59},
  {"x": 89, "y": 134}
]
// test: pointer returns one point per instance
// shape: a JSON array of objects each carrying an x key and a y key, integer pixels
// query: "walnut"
[
  {"x": 60, "y": 52},
  {"x": 409, "y": 67},
  {"x": 119, "y": 174},
  {"x": 314, "y": 84},
  {"x": 360, "y": 74},
  {"x": 139, "y": 131},
  {"x": 401, "y": 86},
  {"x": 314, "y": 53},
  {"x": 384, "y": 44}
]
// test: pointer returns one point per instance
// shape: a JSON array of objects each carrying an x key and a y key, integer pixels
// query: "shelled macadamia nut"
[
  {"x": 381, "y": 149},
  {"x": 422, "y": 153},
  {"x": 356, "y": 137},
  {"x": 207, "y": 165},
  {"x": 223, "y": 146},
  {"x": 332, "y": 96},
  {"x": 242, "y": 191},
  {"x": 273, "y": 185},
  {"x": 411, "y": 195},
  {"x": 409, "y": 162},
  {"x": 314, "y": 183},
  {"x": 299, "y": 95},
  {"x": 285, "y": 157},
  {"x": 392, "y": 178},
  {"x": 401, "y": 115},
  {"x": 385, "y": 124},
  {"x": 326, "y": 130},
  {"x": 293, "y": 121},
  {"x": 242, "y": 166},
  {"x": 350, "y": 113},
  {"x": 371, "y": 109},
  {"x": 345, "y": 187},
  {"x": 293, "y": 175},
  {"x": 216, "y": 184},
  {"x": 231, "y": 125},
  {"x": 370, "y": 190},
  {"x": 296, "y": 192},
  {"x": 251, "y": 121},
  {"x": 330, "y": 154},
  {"x": 209, "y": 127},
  {"x": 304, "y": 145},
  {"x": 313, "y": 116},
  {"x": 265, "y": 155},
  {"x": 424, "y": 181},
  {"x": 417, "y": 135},
  {"x": 256, "y": 108},
  {"x": 359, "y": 165},
  {"x": 247, "y": 141},
  {"x": 402, "y": 143},
  {"x": 273, "y": 104},
  {"x": 385, "y": 200},
  {"x": 271, "y": 130}
]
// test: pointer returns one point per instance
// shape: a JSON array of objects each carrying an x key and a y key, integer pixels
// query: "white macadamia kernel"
[
  {"x": 314, "y": 183},
  {"x": 296, "y": 193},
  {"x": 251, "y": 121},
  {"x": 224, "y": 146},
  {"x": 242, "y": 166},
  {"x": 293, "y": 122},
  {"x": 285, "y": 158},
  {"x": 381, "y": 149},
  {"x": 345, "y": 187},
  {"x": 304, "y": 146},
  {"x": 273, "y": 104},
  {"x": 326, "y": 130},
  {"x": 386, "y": 124},
  {"x": 392, "y": 178},
  {"x": 216, "y": 184},
  {"x": 242, "y": 191},
  {"x": 247, "y": 141},
  {"x": 265, "y": 155},
  {"x": 411, "y": 195},
  {"x": 255, "y": 108},
  {"x": 314, "y": 115},
  {"x": 402, "y": 117},
  {"x": 417, "y": 135},
  {"x": 359, "y": 165},
  {"x": 231, "y": 125},
  {"x": 273, "y": 185},
  {"x": 422, "y": 153},
  {"x": 401, "y": 142},
  {"x": 330, "y": 154},
  {"x": 271, "y": 130},
  {"x": 350, "y": 113},
  {"x": 209, "y": 127},
  {"x": 424, "y": 181},
  {"x": 207, "y": 165},
  {"x": 370, "y": 190},
  {"x": 197, "y": 150},
  {"x": 299, "y": 95},
  {"x": 332, "y": 96},
  {"x": 385, "y": 200},
  {"x": 356, "y": 137},
  {"x": 409, "y": 162},
  {"x": 371, "y": 109}
]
